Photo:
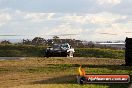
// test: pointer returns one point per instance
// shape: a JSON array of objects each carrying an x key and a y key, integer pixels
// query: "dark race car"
[{"x": 60, "y": 50}]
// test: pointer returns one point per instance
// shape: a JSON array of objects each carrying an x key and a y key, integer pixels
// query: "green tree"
[
  {"x": 39, "y": 41},
  {"x": 5, "y": 42},
  {"x": 26, "y": 41},
  {"x": 56, "y": 39}
]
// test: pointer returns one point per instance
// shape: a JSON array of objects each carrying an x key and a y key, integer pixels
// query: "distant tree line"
[
  {"x": 5, "y": 42},
  {"x": 46, "y": 42},
  {"x": 49, "y": 42}
]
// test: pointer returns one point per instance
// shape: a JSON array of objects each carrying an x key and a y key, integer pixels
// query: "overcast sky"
[{"x": 87, "y": 18}]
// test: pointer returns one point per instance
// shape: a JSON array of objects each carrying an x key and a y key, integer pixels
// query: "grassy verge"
[
  {"x": 57, "y": 72},
  {"x": 39, "y": 51},
  {"x": 99, "y": 53}
]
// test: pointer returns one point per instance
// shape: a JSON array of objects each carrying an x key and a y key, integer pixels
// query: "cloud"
[
  {"x": 4, "y": 18},
  {"x": 97, "y": 18},
  {"x": 65, "y": 29},
  {"x": 37, "y": 17},
  {"x": 86, "y": 25},
  {"x": 120, "y": 29},
  {"x": 69, "y": 6},
  {"x": 106, "y": 18},
  {"x": 112, "y": 2}
]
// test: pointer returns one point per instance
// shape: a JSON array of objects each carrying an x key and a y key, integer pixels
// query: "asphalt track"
[{"x": 12, "y": 58}]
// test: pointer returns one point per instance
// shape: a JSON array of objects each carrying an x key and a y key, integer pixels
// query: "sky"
[{"x": 85, "y": 18}]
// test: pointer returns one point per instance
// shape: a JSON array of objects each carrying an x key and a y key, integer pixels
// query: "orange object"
[{"x": 81, "y": 71}]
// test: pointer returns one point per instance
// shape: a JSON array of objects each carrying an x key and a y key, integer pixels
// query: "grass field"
[
  {"x": 10, "y": 50},
  {"x": 58, "y": 72}
]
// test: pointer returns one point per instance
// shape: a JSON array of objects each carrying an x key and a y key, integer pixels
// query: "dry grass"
[
  {"x": 57, "y": 60},
  {"x": 57, "y": 72}
]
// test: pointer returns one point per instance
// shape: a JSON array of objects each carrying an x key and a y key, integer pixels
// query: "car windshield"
[
  {"x": 56, "y": 46},
  {"x": 64, "y": 46}
]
